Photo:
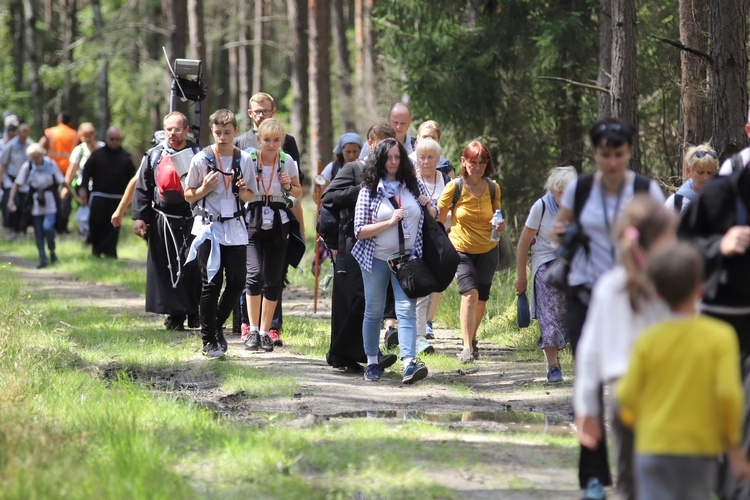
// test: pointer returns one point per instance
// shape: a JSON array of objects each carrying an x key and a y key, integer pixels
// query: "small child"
[
  {"x": 682, "y": 391},
  {"x": 220, "y": 179}
]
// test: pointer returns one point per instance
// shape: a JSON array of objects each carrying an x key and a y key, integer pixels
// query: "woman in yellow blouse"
[{"x": 470, "y": 234}]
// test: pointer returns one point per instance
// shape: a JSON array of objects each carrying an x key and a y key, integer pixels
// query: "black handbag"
[
  {"x": 438, "y": 251},
  {"x": 413, "y": 273}
]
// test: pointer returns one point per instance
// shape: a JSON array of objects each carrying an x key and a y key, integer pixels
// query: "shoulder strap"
[
  {"x": 446, "y": 178},
  {"x": 641, "y": 183},
  {"x": 282, "y": 161},
  {"x": 491, "y": 187},
  {"x": 583, "y": 189},
  {"x": 457, "y": 191},
  {"x": 678, "y": 203},
  {"x": 544, "y": 209},
  {"x": 209, "y": 152},
  {"x": 155, "y": 157},
  {"x": 736, "y": 162},
  {"x": 401, "y": 243}
]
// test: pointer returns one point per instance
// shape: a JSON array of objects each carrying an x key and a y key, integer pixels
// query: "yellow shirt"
[
  {"x": 683, "y": 389},
  {"x": 470, "y": 225}
]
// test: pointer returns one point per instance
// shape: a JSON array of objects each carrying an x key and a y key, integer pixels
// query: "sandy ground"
[{"x": 494, "y": 394}]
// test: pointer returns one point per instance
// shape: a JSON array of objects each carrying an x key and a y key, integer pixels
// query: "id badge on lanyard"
[{"x": 267, "y": 216}]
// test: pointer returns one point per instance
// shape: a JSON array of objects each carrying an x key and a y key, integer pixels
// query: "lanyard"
[
  {"x": 225, "y": 179},
  {"x": 434, "y": 184},
  {"x": 617, "y": 208},
  {"x": 266, "y": 190},
  {"x": 398, "y": 200}
]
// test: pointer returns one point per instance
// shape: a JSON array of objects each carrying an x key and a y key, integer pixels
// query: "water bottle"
[{"x": 496, "y": 220}]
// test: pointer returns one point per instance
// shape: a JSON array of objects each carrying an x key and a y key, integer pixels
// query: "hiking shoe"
[
  {"x": 172, "y": 324},
  {"x": 593, "y": 490},
  {"x": 353, "y": 367},
  {"x": 466, "y": 356},
  {"x": 415, "y": 371},
  {"x": 194, "y": 321},
  {"x": 245, "y": 329},
  {"x": 266, "y": 343},
  {"x": 42, "y": 264},
  {"x": 386, "y": 360},
  {"x": 424, "y": 347},
  {"x": 429, "y": 335},
  {"x": 53, "y": 257},
  {"x": 221, "y": 340},
  {"x": 554, "y": 375},
  {"x": 253, "y": 340},
  {"x": 475, "y": 349},
  {"x": 273, "y": 334},
  {"x": 373, "y": 372},
  {"x": 391, "y": 337},
  {"x": 212, "y": 351}
]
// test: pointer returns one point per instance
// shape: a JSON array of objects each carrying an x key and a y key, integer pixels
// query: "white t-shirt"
[
  {"x": 670, "y": 202},
  {"x": 586, "y": 268},
  {"x": 386, "y": 243},
  {"x": 540, "y": 219},
  {"x": 13, "y": 156},
  {"x": 41, "y": 177},
  {"x": 79, "y": 156},
  {"x": 726, "y": 167},
  {"x": 269, "y": 184},
  {"x": 229, "y": 232}
]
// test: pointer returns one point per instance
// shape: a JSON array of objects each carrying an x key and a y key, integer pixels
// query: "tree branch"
[
  {"x": 577, "y": 84},
  {"x": 116, "y": 27},
  {"x": 682, "y": 46}
]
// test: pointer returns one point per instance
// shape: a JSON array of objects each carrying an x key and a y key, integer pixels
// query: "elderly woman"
[
  {"x": 702, "y": 163},
  {"x": 547, "y": 303},
  {"x": 478, "y": 198},
  {"x": 428, "y": 154},
  {"x": 390, "y": 198},
  {"x": 42, "y": 177},
  {"x": 431, "y": 130}
]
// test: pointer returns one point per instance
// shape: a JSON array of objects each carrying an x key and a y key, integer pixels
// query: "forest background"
[{"x": 528, "y": 77}]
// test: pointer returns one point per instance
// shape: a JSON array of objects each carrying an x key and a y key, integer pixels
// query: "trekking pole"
[{"x": 316, "y": 255}]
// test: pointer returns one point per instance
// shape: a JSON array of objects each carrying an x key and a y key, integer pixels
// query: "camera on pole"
[{"x": 187, "y": 85}]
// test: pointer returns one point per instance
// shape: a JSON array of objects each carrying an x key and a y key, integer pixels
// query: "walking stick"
[{"x": 316, "y": 255}]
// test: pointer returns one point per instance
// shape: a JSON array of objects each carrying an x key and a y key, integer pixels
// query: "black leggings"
[
  {"x": 266, "y": 261},
  {"x": 215, "y": 311}
]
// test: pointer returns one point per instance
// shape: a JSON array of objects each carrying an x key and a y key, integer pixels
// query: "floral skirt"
[{"x": 550, "y": 311}]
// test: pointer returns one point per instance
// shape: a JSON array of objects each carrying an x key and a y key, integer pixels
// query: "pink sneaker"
[
  {"x": 273, "y": 334},
  {"x": 245, "y": 329}
]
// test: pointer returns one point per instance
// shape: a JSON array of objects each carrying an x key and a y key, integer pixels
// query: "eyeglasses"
[
  {"x": 262, "y": 112},
  {"x": 701, "y": 154}
]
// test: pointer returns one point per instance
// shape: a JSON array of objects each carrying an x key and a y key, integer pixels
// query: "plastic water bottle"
[{"x": 496, "y": 220}]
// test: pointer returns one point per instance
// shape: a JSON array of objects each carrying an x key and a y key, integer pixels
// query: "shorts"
[{"x": 475, "y": 272}]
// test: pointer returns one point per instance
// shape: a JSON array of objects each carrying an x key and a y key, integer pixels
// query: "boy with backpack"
[
  {"x": 219, "y": 181},
  {"x": 682, "y": 391}
]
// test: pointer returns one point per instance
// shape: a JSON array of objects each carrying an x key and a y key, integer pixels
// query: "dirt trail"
[{"x": 497, "y": 383}]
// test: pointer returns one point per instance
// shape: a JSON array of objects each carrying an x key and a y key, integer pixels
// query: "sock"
[
  {"x": 372, "y": 360},
  {"x": 407, "y": 362},
  {"x": 254, "y": 328},
  {"x": 263, "y": 333}
]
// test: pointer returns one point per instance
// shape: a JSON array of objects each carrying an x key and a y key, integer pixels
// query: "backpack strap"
[
  {"x": 736, "y": 162},
  {"x": 678, "y": 203},
  {"x": 459, "y": 181},
  {"x": 583, "y": 189},
  {"x": 641, "y": 183}
]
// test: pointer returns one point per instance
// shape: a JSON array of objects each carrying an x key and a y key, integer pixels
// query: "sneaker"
[
  {"x": 42, "y": 264},
  {"x": 429, "y": 335},
  {"x": 475, "y": 349},
  {"x": 273, "y": 334},
  {"x": 245, "y": 329},
  {"x": 253, "y": 340},
  {"x": 266, "y": 343},
  {"x": 53, "y": 257},
  {"x": 466, "y": 356},
  {"x": 386, "y": 360},
  {"x": 414, "y": 372},
  {"x": 424, "y": 347},
  {"x": 221, "y": 340},
  {"x": 194, "y": 321},
  {"x": 212, "y": 351},
  {"x": 391, "y": 337},
  {"x": 373, "y": 372},
  {"x": 172, "y": 324},
  {"x": 554, "y": 375},
  {"x": 593, "y": 490}
]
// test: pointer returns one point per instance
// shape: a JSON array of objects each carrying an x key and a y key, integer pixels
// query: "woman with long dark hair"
[{"x": 391, "y": 196}]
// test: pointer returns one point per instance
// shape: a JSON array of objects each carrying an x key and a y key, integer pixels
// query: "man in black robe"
[
  {"x": 164, "y": 219},
  {"x": 348, "y": 301},
  {"x": 110, "y": 169}
]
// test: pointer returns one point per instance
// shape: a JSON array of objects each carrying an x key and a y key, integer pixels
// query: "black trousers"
[
  {"x": 214, "y": 309},
  {"x": 266, "y": 262},
  {"x": 591, "y": 463}
]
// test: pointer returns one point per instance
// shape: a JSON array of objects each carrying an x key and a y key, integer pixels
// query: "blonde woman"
[{"x": 702, "y": 163}]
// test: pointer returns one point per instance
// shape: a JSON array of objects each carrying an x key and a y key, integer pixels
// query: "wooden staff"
[{"x": 316, "y": 258}]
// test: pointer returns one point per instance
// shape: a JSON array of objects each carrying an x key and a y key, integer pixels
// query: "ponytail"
[{"x": 634, "y": 260}]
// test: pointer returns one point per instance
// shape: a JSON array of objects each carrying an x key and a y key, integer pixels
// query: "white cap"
[{"x": 11, "y": 121}]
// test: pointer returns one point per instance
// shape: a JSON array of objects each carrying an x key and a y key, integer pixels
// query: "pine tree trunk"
[
  {"x": 321, "y": 134},
  {"x": 30, "y": 42},
  {"x": 296, "y": 11},
  {"x": 69, "y": 25},
  {"x": 624, "y": 87},
  {"x": 16, "y": 27},
  {"x": 604, "y": 100},
  {"x": 198, "y": 51},
  {"x": 102, "y": 81},
  {"x": 365, "y": 62},
  {"x": 257, "y": 48},
  {"x": 343, "y": 67},
  {"x": 243, "y": 66},
  {"x": 729, "y": 71},
  {"x": 175, "y": 20}
]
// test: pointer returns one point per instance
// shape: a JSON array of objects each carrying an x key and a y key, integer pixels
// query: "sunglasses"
[
  {"x": 610, "y": 127},
  {"x": 703, "y": 154}
]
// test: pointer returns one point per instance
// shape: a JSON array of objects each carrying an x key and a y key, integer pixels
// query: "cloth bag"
[
  {"x": 523, "y": 313},
  {"x": 438, "y": 251},
  {"x": 507, "y": 251}
]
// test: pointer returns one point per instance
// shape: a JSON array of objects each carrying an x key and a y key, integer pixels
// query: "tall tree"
[
  {"x": 343, "y": 66},
  {"x": 175, "y": 20},
  {"x": 694, "y": 27},
  {"x": 321, "y": 133},
  {"x": 297, "y": 18},
  {"x": 604, "y": 99},
  {"x": 624, "y": 86},
  {"x": 69, "y": 25},
  {"x": 198, "y": 51},
  {"x": 729, "y": 75},
  {"x": 16, "y": 26},
  {"x": 365, "y": 40},
  {"x": 103, "y": 112},
  {"x": 258, "y": 47},
  {"x": 243, "y": 66},
  {"x": 30, "y": 42}
]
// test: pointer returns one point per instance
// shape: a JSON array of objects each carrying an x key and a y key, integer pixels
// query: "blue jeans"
[
  {"x": 376, "y": 284},
  {"x": 44, "y": 228}
]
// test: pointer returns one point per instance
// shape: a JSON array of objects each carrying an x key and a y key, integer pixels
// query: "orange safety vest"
[{"x": 62, "y": 140}]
